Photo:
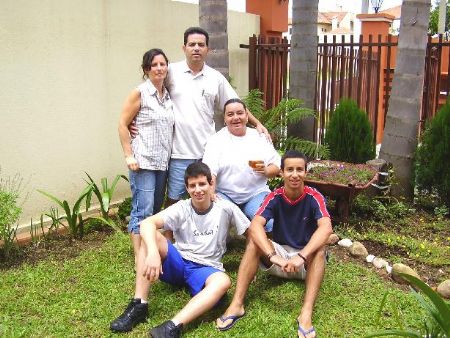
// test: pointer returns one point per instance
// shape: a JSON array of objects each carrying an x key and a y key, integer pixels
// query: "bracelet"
[
  {"x": 270, "y": 255},
  {"x": 302, "y": 257}
]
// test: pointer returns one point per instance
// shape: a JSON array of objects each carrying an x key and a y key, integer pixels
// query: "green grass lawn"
[{"x": 79, "y": 297}]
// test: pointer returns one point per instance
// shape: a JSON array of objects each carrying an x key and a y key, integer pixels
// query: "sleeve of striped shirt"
[
  {"x": 319, "y": 205},
  {"x": 266, "y": 208}
]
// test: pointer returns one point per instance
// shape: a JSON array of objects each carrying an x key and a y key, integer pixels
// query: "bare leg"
[
  {"x": 314, "y": 277},
  {"x": 246, "y": 273},
  {"x": 215, "y": 287},
  {"x": 136, "y": 242},
  {"x": 142, "y": 283}
]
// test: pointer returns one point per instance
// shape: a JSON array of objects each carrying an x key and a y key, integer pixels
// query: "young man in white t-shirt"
[{"x": 200, "y": 228}]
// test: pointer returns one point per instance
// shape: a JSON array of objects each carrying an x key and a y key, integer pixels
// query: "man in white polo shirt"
[{"x": 197, "y": 92}]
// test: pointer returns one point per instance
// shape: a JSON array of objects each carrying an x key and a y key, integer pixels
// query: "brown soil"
[{"x": 58, "y": 247}]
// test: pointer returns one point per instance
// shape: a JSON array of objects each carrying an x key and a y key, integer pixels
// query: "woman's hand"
[{"x": 132, "y": 163}]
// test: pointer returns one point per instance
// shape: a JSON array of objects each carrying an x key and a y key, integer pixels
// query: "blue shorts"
[
  {"x": 176, "y": 189},
  {"x": 181, "y": 272},
  {"x": 250, "y": 207}
]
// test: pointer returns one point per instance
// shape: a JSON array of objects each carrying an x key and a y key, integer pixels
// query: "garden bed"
[{"x": 341, "y": 182}]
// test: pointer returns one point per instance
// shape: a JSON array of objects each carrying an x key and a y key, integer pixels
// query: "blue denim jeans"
[
  {"x": 147, "y": 195},
  {"x": 176, "y": 189},
  {"x": 250, "y": 207}
]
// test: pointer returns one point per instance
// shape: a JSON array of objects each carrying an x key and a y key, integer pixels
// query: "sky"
[{"x": 353, "y": 6}]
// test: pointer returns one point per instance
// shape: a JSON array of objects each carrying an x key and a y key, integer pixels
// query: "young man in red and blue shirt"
[{"x": 301, "y": 229}]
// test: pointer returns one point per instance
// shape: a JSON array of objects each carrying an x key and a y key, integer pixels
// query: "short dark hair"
[
  {"x": 195, "y": 30},
  {"x": 148, "y": 57},
  {"x": 234, "y": 100},
  {"x": 293, "y": 154},
  {"x": 195, "y": 169}
]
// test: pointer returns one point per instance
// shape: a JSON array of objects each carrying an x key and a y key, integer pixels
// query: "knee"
[
  {"x": 223, "y": 282},
  {"x": 319, "y": 255},
  {"x": 161, "y": 243},
  {"x": 226, "y": 282}
]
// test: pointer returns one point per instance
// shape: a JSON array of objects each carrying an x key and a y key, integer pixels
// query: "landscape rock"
[
  {"x": 346, "y": 242},
  {"x": 370, "y": 258},
  {"x": 333, "y": 239},
  {"x": 358, "y": 250},
  {"x": 379, "y": 263},
  {"x": 444, "y": 289},
  {"x": 402, "y": 268},
  {"x": 388, "y": 269}
]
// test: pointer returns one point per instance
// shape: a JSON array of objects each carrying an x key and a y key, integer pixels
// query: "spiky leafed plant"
[
  {"x": 278, "y": 118},
  {"x": 436, "y": 323}
]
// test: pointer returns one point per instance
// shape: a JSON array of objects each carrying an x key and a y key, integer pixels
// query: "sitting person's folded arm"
[{"x": 272, "y": 171}]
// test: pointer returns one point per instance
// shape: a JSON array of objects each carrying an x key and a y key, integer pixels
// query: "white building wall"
[{"x": 66, "y": 66}]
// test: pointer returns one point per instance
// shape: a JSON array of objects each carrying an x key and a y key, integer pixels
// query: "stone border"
[{"x": 358, "y": 250}]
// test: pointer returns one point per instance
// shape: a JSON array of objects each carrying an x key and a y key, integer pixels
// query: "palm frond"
[{"x": 277, "y": 119}]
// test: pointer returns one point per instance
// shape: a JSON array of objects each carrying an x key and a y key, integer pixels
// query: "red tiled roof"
[
  {"x": 394, "y": 11},
  {"x": 326, "y": 17},
  {"x": 340, "y": 30}
]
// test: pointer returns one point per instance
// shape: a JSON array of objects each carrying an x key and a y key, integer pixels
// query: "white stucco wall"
[{"x": 66, "y": 67}]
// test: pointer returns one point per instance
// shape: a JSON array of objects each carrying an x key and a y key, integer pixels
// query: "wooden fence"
[{"x": 360, "y": 70}]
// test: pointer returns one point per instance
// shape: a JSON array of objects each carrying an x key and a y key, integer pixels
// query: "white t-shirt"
[
  {"x": 227, "y": 156},
  {"x": 202, "y": 238},
  {"x": 196, "y": 98}
]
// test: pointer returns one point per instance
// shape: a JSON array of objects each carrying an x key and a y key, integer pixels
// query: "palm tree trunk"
[
  {"x": 303, "y": 62},
  {"x": 400, "y": 133},
  {"x": 213, "y": 18}
]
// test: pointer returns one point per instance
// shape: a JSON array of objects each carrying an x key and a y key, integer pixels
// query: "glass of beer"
[{"x": 254, "y": 163}]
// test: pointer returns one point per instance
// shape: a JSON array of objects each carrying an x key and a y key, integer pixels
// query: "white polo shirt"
[{"x": 196, "y": 98}]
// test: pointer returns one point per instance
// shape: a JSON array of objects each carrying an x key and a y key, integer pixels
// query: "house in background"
[
  {"x": 396, "y": 12},
  {"x": 329, "y": 24}
]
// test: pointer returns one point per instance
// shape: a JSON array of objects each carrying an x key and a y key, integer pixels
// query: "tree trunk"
[
  {"x": 213, "y": 18},
  {"x": 303, "y": 62},
  {"x": 400, "y": 133}
]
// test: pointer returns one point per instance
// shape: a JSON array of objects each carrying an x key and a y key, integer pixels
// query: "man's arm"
[
  {"x": 258, "y": 125},
  {"x": 317, "y": 241},
  {"x": 152, "y": 265}
]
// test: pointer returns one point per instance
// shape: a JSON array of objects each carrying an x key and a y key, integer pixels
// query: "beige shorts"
[{"x": 286, "y": 252}]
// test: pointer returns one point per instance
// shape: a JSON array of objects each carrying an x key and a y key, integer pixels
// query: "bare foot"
[
  {"x": 305, "y": 329},
  {"x": 229, "y": 318}
]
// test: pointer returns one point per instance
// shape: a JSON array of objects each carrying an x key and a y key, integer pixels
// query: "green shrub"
[
  {"x": 432, "y": 165},
  {"x": 10, "y": 189},
  {"x": 380, "y": 208},
  {"x": 349, "y": 134},
  {"x": 124, "y": 208}
]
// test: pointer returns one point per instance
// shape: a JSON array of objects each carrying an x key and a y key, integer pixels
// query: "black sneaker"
[
  {"x": 135, "y": 313},
  {"x": 166, "y": 330}
]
